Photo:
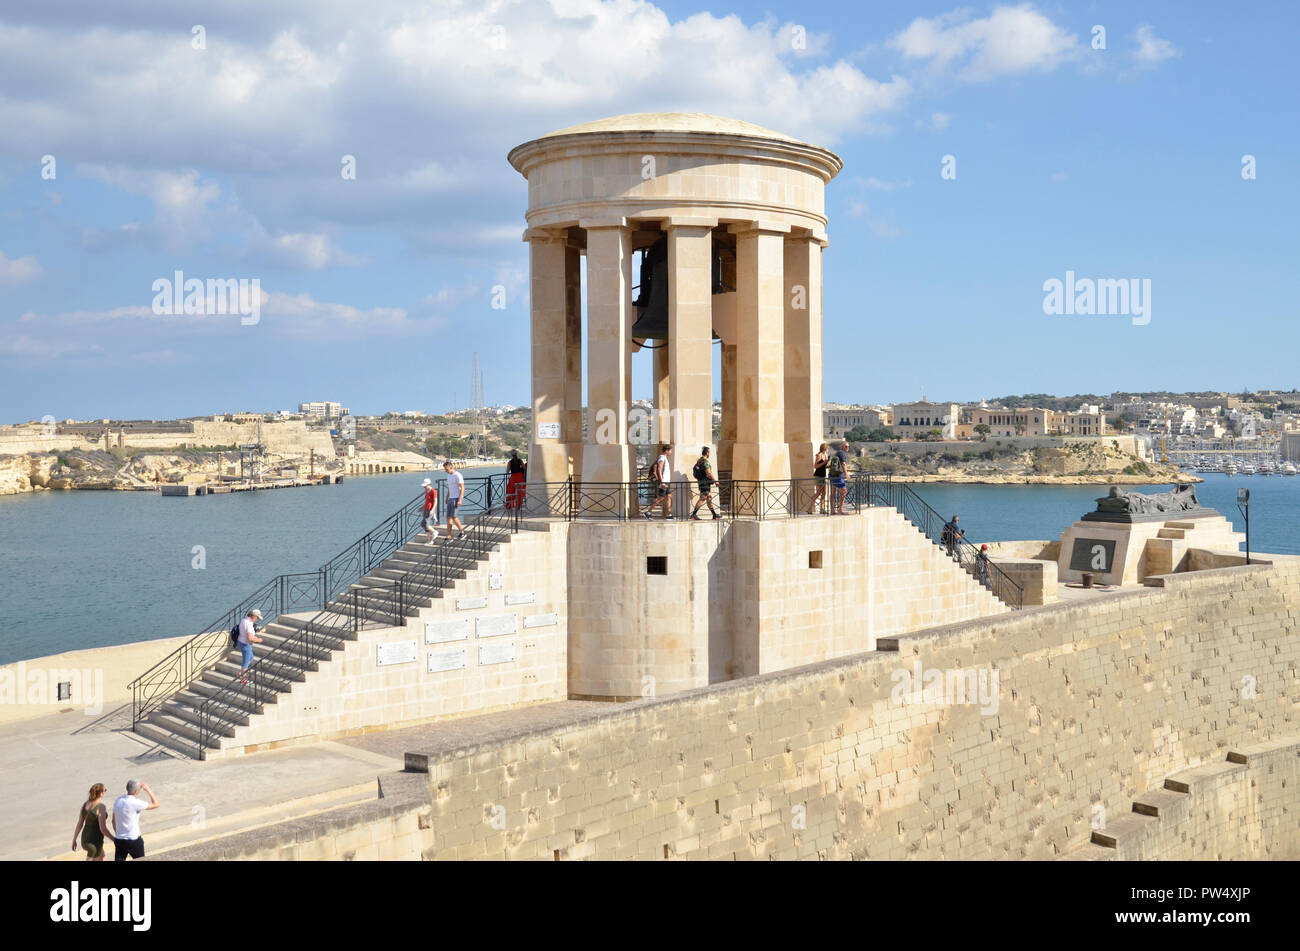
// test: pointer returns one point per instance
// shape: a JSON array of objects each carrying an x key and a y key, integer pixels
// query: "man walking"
[
  {"x": 430, "y": 515},
  {"x": 951, "y": 536},
  {"x": 839, "y": 466},
  {"x": 659, "y": 474},
  {"x": 455, "y": 495},
  {"x": 126, "y": 820},
  {"x": 247, "y": 638},
  {"x": 704, "y": 480}
]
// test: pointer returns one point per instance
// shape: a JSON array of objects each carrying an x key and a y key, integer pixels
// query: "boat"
[
  {"x": 1229, "y": 468},
  {"x": 1288, "y": 468}
]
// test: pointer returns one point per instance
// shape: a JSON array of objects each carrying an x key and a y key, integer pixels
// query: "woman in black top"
[
  {"x": 819, "y": 473},
  {"x": 515, "y": 483}
]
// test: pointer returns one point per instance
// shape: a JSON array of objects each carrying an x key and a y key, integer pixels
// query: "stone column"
[
  {"x": 760, "y": 451},
  {"x": 690, "y": 337},
  {"x": 727, "y": 437},
  {"x": 662, "y": 428},
  {"x": 803, "y": 352},
  {"x": 556, "y": 327},
  {"x": 607, "y": 455}
]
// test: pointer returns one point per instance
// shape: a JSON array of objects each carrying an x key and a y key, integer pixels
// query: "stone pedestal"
[{"x": 1119, "y": 553}]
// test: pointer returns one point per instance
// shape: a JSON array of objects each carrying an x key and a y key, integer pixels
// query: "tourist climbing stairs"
[{"x": 194, "y": 698}]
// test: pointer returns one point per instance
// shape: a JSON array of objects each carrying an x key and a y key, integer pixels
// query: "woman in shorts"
[{"x": 92, "y": 825}]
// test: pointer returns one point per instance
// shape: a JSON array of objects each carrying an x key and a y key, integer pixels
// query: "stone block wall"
[
  {"x": 494, "y": 647},
  {"x": 748, "y": 597},
  {"x": 1097, "y": 701}
]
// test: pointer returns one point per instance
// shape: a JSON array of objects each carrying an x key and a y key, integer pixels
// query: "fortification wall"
[{"x": 1098, "y": 701}]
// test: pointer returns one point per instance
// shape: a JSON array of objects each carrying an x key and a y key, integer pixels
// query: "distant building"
[
  {"x": 913, "y": 420},
  {"x": 1085, "y": 421},
  {"x": 1002, "y": 421},
  {"x": 838, "y": 420},
  {"x": 323, "y": 410}
]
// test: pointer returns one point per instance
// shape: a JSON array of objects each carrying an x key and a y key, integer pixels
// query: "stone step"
[
  {"x": 184, "y": 731},
  {"x": 222, "y": 718},
  {"x": 164, "y": 737},
  {"x": 200, "y": 690},
  {"x": 269, "y": 675}
]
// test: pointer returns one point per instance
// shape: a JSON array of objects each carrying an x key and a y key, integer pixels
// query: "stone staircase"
[{"x": 287, "y": 655}]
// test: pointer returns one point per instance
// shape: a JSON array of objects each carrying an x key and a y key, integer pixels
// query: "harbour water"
[{"x": 89, "y": 569}]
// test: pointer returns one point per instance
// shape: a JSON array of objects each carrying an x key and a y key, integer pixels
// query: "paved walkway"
[
  {"x": 48, "y": 764},
  {"x": 433, "y": 738}
]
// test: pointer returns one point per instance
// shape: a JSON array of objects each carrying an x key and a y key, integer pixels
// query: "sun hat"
[{"x": 426, "y": 482}]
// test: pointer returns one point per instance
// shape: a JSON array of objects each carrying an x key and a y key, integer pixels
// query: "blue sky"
[{"x": 224, "y": 162}]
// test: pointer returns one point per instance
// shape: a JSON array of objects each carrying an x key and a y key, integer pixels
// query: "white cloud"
[
  {"x": 1151, "y": 49},
  {"x": 15, "y": 271},
  {"x": 30, "y": 348},
  {"x": 937, "y": 122},
  {"x": 876, "y": 184},
  {"x": 1009, "y": 40},
  {"x": 875, "y": 224}
]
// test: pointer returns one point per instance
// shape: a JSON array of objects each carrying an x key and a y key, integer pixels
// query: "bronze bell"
[
  {"x": 652, "y": 299},
  {"x": 652, "y": 324}
]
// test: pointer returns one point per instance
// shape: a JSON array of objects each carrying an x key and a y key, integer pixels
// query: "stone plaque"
[
  {"x": 548, "y": 430},
  {"x": 497, "y": 624},
  {"x": 438, "y": 632},
  {"x": 450, "y": 659},
  {"x": 398, "y": 652},
  {"x": 469, "y": 604},
  {"x": 498, "y": 653},
  {"x": 541, "y": 620},
  {"x": 523, "y": 597},
  {"x": 1096, "y": 555},
  {"x": 496, "y": 581}
]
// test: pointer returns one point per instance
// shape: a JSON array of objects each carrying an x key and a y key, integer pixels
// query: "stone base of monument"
[{"x": 1129, "y": 549}]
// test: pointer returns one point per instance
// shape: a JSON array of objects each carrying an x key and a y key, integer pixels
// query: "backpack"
[
  {"x": 836, "y": 465},
  {"x": 234, "y": 635},
  {"x": 701, "y": 470}
]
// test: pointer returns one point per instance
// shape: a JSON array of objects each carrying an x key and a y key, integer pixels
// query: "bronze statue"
[{"x": 1181, "y": 499}]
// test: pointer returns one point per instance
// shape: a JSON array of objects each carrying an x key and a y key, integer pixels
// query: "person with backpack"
[
  {"x": 244, "y": 635},
  {"x": 820, "y": 462},
  {"x": 703, "y": 473},
  {"x": 430, "y": 515},
  {"x": 951, "y": 536},
  {"x": 837, "y": 469},
  {"x": 660, "y": 473}
]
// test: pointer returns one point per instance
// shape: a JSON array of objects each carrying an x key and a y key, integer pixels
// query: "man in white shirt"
[
  {"x": 126, "y": 820},
  {"x": 247, "y": 638},
  {"x": 661, "y": 474},
  {"x": 455, "y": 495}
]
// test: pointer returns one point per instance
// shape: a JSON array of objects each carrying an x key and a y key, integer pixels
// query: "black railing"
[
  {"x": 748, "y": 499},
  {"x": 283, "y": 594},
  {"x": 900, "y": 496},
  {"x": 362, "y": 607}
]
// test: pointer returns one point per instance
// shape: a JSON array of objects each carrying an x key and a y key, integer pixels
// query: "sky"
[{"x": 988, "y": 150}]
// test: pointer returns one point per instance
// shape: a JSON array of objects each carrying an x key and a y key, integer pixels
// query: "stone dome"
[{"x": 673, "y": 122}]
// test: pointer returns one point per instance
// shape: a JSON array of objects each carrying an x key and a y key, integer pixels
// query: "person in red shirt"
[{"x": 430, "y": 516}]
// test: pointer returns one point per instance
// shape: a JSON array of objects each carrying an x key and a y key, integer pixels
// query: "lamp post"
[{"x": 1243, "y": 506}]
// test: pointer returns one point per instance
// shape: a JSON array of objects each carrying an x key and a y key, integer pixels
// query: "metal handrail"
[
  {"x": 900, "y": 496},
  {"x": 281, "y": 595},
  {"x": 347, "y": 615}
]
